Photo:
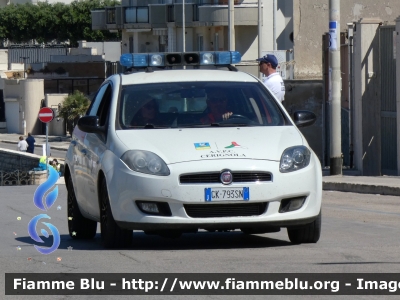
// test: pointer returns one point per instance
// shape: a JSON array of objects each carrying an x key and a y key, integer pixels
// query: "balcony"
[
  {"x": 217, "y": 15},
  {"x": 114, "y": 17},
  {"x": 197, "y": 13}
]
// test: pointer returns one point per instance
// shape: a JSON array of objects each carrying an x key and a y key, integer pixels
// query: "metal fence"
[
  {"x": 17, "y": 177},
  {"x": 33, "y": 55},
  {"x": 388, "y": 101}
]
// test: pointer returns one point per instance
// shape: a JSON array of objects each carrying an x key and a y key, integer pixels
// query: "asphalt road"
[
  {"x": 359, "y": 234},
  {"x": 38, "y": 150}
]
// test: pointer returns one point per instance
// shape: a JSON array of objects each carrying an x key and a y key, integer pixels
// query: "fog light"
[
  {"x": 291, "y": 204},
  {"x": 154, "y": 208},
  {"x": 149, "y": 207}
]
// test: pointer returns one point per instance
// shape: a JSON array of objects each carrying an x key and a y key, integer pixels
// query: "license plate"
[{"x": 220, "y": 194}]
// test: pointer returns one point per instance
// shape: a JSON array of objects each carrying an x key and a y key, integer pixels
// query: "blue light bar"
[
  {"x": 135, "y": 60},
  {"x": 126, "y": 60},
  {"x": 207, "y": 58},
  {"x": 227, "y": 57},
  {"x": 236, "y": 57},
  {"x": 156, "y": 59}
]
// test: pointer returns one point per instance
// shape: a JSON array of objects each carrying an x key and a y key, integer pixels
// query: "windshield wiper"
[
  {"x": 229, "y": 124},
  {"x": 147, "y": 126}
]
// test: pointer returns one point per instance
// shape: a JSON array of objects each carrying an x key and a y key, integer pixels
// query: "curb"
[{"x": 361, "y": 188}]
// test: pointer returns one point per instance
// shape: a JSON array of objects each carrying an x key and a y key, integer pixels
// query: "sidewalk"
[
  {"x": 383, "y": 185},
  {"x": 348, "y": 182},
  {"x": 56, "y": 142}
]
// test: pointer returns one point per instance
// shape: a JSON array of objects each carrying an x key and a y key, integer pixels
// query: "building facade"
[{"x": 156, "y": 25}]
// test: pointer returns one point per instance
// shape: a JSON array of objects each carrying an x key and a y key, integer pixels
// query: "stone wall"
[
  {"x": 311, "y": 22},
  {"x": 13, "y": 160}
]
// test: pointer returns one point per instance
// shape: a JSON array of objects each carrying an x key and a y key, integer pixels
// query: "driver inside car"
[{"x": 217, "y": 109}]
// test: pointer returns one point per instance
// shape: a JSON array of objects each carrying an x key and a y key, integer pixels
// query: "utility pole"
[
  {"x": 335, "y": 88},
  {"x": 183, "y": 26},
  {"x": 183, "y": 29},
  {"x": 259, "y": 35},
  {"x": 231, "y": 25}
]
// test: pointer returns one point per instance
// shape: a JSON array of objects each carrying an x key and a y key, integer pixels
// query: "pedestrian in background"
[
  {"x": 273, "y": 80},
  {"x": 22, "y": 144},
  {"x": 56, "y": 166},
  {"x": 31, "y": 143}
]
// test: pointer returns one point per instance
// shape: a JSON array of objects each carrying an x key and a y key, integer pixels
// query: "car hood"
[{"x": 191, "y": 144}]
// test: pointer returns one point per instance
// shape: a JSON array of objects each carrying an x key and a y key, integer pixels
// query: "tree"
[
  {"x": 46, "y": 22},
  {"x": 73, "y": 107}
]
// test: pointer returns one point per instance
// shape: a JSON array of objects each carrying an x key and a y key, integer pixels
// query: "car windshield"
[{"x": 197, "y": 104}]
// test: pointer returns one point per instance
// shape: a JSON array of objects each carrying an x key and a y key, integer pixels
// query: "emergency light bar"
[{"x": 137, "y": 60}]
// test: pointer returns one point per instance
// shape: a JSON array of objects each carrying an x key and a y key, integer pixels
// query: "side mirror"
[
  {"x": 303, "y": 118},
  {"x": 90, "y": 124}
]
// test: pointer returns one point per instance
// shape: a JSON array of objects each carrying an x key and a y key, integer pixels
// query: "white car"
[{"x": 169, "y": 150}]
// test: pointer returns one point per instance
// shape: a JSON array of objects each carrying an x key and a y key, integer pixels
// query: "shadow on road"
[{"x": 190, "y": 241}]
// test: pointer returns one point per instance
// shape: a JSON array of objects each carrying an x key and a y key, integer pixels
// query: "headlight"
[
  {"x": 145, "y": 162},
  {"x": 294, "y": 158}
]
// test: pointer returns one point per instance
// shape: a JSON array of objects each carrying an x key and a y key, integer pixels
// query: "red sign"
[{"x": 46, "y": 114}]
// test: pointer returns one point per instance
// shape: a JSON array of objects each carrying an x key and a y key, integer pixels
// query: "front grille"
[
  {"x": 225, "y": 210},
  {"x": 213, "y": 177}
]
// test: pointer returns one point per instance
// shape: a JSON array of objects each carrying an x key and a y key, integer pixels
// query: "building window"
[
  {"x": 170, "y": 13},
  {"x": 143, "y": 15},
  {"x": 195, "y": 12},
  {"x": 137, "y": 14},
  {"x": 130, "y": 15}
]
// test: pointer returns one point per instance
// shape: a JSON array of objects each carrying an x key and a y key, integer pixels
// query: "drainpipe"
[
  {"x": 183, "y": 26},
  {"x": 231, "y": 25}
]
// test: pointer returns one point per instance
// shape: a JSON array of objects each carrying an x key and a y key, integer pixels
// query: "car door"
[
  {"x": 90, "y": 145},
  {"x": 95, "y": 145}
]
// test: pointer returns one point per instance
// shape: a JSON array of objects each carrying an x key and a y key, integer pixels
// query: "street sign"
[{"x": 46, "y": 114}]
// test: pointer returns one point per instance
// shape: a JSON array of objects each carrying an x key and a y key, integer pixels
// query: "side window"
[
  {"x": 104, "y": 108},
  {"x": 97, "y": 100}
]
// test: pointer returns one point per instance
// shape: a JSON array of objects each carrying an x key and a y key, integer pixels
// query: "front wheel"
[
  {"x": 79, "y": 227},
  {"x": 112, "y": 235},
  {"x": 309, "y": 233}
]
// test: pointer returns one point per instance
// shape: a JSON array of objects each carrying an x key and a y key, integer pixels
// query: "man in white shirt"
[
  {"x": 273, "y": 80},
  {"x": 22, "y": 144}
]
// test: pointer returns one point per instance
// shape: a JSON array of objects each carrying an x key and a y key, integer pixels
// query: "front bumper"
[{"x": 126, "y": 186}]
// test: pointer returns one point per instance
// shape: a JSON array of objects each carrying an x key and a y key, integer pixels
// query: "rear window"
[{"x": 197, "y": 104}]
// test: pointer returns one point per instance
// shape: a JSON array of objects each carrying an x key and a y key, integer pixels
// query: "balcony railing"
[{"x": 136, "y": 14}]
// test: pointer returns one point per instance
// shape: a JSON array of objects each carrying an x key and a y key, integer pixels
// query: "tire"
[
  {"x": 79, "y": 227},
  {"x": 309, "y": 233},
  {"x": 112, "y": 235}
]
